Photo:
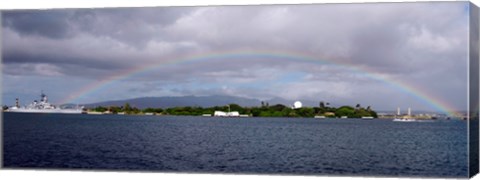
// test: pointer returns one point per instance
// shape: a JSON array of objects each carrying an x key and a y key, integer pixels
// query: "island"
[{"x": 264, "y": 110}]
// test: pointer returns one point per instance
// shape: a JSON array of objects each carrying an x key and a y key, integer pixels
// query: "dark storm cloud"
[
  {"x": 51, "y": 24},
  {"x": 26, "y": 64},
  {"x": 377, "y": 36},
  {"x": 112, "y": 22}
]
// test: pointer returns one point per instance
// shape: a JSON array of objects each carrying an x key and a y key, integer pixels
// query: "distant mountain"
[
  {"x": 167, "y": 102},
  {"x": 203, "y": 101}
]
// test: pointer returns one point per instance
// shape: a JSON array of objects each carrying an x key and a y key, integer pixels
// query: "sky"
[{"x": 339, "y": 53}]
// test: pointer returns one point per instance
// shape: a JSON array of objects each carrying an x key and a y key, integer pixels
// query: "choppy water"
[{"x": 235, "y": 145}]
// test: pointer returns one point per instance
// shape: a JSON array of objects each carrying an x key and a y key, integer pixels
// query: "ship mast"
[{"x": 44, "y": 97}]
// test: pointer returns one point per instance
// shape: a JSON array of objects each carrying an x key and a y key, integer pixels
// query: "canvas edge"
[
  {"x": 1, "y": 94},
  {"x": 473, "y": 94}
]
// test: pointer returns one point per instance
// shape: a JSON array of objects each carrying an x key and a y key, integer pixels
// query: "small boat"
[
  {"x": 407, "y": 118},
  {"x": 404, "y": 119}
]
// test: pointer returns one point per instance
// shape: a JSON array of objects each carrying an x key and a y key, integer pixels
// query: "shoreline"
[{"x": 211, "y": 116}]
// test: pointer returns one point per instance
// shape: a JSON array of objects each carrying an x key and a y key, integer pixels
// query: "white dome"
[{"x": 297, "y": 104}]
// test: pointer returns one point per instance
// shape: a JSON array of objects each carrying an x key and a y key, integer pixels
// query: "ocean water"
[{"x": 308, "y": 146}]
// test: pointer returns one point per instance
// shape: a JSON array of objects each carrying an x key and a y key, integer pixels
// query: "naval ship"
[{"x": 43, "y": 106}]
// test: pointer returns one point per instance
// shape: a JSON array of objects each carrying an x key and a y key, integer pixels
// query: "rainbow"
[{"x": 416, "y": 92}]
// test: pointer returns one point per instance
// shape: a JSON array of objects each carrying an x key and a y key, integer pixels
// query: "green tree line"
[{"x": 265, "y": 110}]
